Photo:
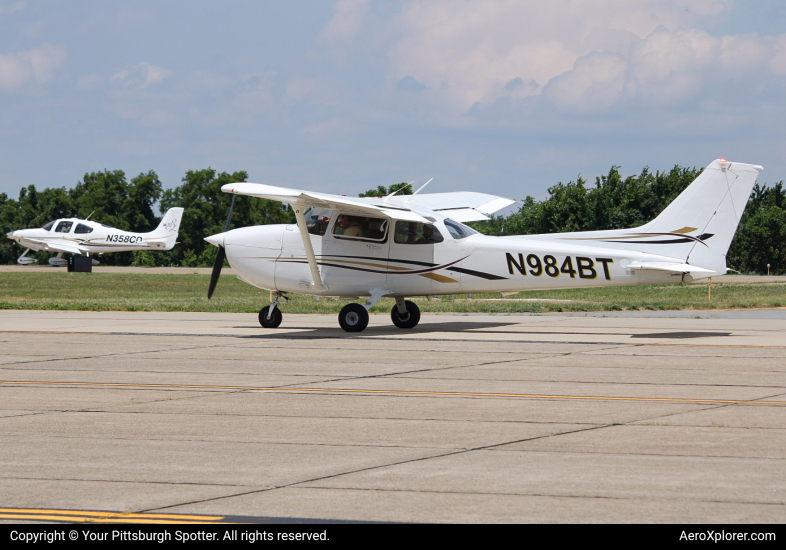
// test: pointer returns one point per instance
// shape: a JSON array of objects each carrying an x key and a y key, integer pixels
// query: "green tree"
[
  {"x": 206, "y": 210},
  {"x": 403, "y": 188},
  {"x": 761, "y": 237}
]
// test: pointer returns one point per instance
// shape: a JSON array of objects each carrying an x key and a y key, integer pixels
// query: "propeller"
[{"x": 220, "y": 255}]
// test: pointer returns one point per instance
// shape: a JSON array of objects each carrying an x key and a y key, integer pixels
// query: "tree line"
[
  {"x": 613, "y": 202},
  {"x": 108, "y": 197}
]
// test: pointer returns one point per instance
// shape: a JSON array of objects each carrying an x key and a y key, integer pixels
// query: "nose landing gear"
[{"x": 270, "y": 316}]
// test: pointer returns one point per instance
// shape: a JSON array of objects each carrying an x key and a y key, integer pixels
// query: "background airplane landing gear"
[
  {"x": 353, "y": 318},
  {"x": 275, "y": 317},
  {"x": 410, "y": 319}
]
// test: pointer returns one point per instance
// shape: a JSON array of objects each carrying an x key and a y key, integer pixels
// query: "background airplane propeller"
[{"x": 220, "y": 255}]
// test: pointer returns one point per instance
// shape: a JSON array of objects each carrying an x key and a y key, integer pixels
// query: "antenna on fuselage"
[
  {"x": 419, "y": 189},
  {"x": 387, "y": 198},
  {"x": 91, "y": 213}
]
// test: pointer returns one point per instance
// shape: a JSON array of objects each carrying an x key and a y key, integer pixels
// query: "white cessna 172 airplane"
[
  {"x": 76, "y": 236},
  {"x": 416, "y": 245}
]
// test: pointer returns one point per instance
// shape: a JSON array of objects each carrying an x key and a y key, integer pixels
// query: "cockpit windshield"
[
  {"x": 458, "y": 230},
  {"x": 48, "y": 226}
]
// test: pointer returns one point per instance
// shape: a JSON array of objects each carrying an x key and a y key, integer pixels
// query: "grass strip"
[{"x": 188, "y": 292}]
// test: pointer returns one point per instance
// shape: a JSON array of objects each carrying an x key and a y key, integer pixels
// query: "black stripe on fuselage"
[
  {"x": 377, "y": 258},
  {"x": 487, "y": 276},
  {"x": 701, "y": 238}
]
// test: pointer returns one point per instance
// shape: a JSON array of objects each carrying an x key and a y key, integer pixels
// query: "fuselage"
[
  {"x": 273, "y": 257},
  {"x": 88, "y": 236}
]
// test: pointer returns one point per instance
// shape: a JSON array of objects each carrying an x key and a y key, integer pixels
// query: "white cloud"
[
  {"x": 141, "y": 75},
  {"x": 256, "y": 97},
  {"x": 595, "y": 84},
  {"x": 668, "y": 67},
  {"x": 12, "y": 8},
  {"x": 346, "y": 22},
  {"x": 580, "y": 57},
  {"x": 32, "y": 66},
  {"x": 311, "y": 90},
  {"x": 90, "y": 82},
  {"x": 475, "y": 48}
]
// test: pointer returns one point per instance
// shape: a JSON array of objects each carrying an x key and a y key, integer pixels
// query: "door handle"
[{"x": 374, "y": 247}]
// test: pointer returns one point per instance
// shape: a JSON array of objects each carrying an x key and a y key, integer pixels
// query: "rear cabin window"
[
  {"x": 82, "y": 228},
  {"x": 64, "y": 227},
  {"x": 360, "y": 228},
  {"x": 416, "y": 233}
]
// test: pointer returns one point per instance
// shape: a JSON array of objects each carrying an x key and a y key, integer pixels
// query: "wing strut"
[{"x": 312, "y": 261}]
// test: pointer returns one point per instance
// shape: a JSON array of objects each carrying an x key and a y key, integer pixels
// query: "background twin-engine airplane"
[
  {"x": 76, "y": 236},
  {"x": 416, "y": 245}
]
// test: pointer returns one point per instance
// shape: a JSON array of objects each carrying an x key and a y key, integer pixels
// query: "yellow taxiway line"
[
  {"x": 102, "y": 517},
  {"x": 389, "y": 392}
]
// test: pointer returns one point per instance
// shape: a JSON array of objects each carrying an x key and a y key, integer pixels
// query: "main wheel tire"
[
  {"x": 275, "y": 318},
  {"x": 410, "y": 320},
  {"x": 353, "y": 318}
]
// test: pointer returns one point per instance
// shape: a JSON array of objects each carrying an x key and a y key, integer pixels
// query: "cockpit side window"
[
  {"x": 64, "y": 227},
  {"x": 317, "y": 220},
  {"x": 416, "y": 233},
  {"x": 82, "y": 228},
  {"x": 457, "y": 230},
  {"x": 48, "y": 226}
]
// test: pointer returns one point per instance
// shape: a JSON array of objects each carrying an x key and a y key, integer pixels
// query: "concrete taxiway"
[{"x": 662, "y": 417}]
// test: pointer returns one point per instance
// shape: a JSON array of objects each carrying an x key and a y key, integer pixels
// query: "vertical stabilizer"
[
  {"x": 168, "y": 228},
  {"x": 704, "y": 217}
]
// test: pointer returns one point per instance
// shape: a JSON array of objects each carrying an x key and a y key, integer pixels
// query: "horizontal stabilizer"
[{"x": 693, "y": 270}]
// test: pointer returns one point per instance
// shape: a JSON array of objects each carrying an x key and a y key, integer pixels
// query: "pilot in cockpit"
[{"x": 350, "y": 225}]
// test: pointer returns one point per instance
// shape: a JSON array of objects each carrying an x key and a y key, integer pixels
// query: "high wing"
[
  {"x": 307, "y": 199},
  {"x": 462, "y": 206}
]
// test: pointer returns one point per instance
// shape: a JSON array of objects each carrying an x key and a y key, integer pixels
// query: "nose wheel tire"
[
  {"x": 353, "y": 318},
  {"x": 410, "y": 319},
  {"x": 275, "y": 318}
]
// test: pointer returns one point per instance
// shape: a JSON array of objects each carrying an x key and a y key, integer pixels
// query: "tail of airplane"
[
  {"x": 699, "y": 225},
  {"x": 693, "y": 234},
  {"x": 167, "y": 230}
]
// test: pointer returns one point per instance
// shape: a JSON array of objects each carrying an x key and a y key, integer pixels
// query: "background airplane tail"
[
  {"x": 168, "y": 228},
  {"x": 702, "y": 220}
]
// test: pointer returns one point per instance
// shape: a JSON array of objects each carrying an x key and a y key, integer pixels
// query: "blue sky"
[{"x": 496, "y": 96}]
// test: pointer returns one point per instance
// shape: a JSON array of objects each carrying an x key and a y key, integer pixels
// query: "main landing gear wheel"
[
  {"x": 408, "y": 320},
  {"x": 275, "y": 317},
  {"x": 353, "y": 318}
]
